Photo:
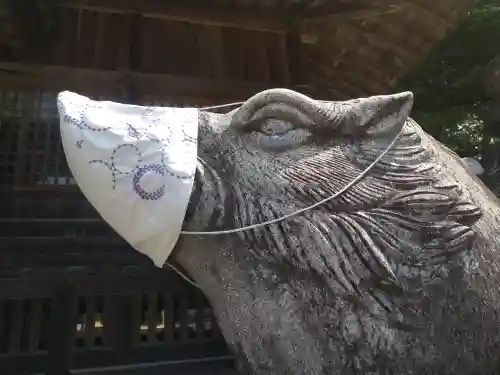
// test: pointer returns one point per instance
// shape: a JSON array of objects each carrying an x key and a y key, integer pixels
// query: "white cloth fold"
[{"x": 134, "y": 164}]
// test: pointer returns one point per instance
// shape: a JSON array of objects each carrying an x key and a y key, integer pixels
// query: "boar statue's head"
[{"x": 396, "y": 274}]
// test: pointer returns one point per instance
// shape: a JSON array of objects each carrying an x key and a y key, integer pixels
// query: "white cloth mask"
[{"x": 134, "y": 164}]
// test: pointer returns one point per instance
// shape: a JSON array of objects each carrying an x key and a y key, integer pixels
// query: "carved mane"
[
  {"x": 390, "y": 277},
  {"x": 388, "y": 235}
]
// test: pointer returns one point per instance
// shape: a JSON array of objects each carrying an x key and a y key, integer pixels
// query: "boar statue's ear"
[
  {"x": 396, "y": 223},
  {"x": 374, "y": 115}
]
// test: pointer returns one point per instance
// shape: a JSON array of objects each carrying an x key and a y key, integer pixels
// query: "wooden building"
[{"x": 72, "y": 294}]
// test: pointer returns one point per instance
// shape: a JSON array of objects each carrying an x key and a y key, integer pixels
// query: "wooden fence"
[{"x": 73, "y": 295}]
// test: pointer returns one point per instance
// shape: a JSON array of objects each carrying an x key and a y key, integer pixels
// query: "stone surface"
[{"x": 398, "y": 275}]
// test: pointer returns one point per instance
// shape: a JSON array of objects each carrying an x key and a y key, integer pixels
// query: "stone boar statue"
[{"x": 397, "y": 274}]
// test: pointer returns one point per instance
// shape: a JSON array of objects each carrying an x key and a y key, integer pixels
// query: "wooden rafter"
[
  {"x": 238, "y": 17},
  {"x": 359, "y": 10},
  {"x": 206, "y": 15},
  {"x": 334, "y": 8}
]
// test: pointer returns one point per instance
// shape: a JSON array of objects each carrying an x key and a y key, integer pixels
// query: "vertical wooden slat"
[
  {"x": 59, "y": 157},
  {"x": 2, "y": 100},
  {"x": 100, "y": 39},
  {"x": 123, "y": 56},
  {"x": 159, "y": 59},
  {"x": 135, "y": 49},
  {"x": 21, "y": 157},
  {"x": 137, "y": 25},
  {"x": 295, "y": 58},
  {"x": 168, "y": 317},
  {"x": 216, "y": 43},
  {"x": 204, "y": 63},
  {"x": 148, "y": 45},
  {"x": 136, "y": 320},
  {"x": 183, "y": 315},
  {"x": 199, "y": 317},
  {"x": 57, "y": 41},
  {"x": 80, "y": 36},
  {"x": 191, "y": 66},
  {"x": 184, "y": 60},
  {"x": 282, "y": 61},
  {"x": 107, "y": 329},
  {"x": 235, "y": 54},
  {"x": 5, "y": 174},
  {"x": 90, "y": 313},
  {"x": 118, "y": 322},
  {"x": 66, "y": 51},
  {"x": 80, "y": 323},
  {"x": 151, "y": 317},
  {"x": 23, "y": 145},
  {"x": 45, "y": 326},
  {"x": 36, "y": 131},
  {"x": 99, "y": 339},
  {"x": 62, "y": 331},
  {"x": 90, "y": 38},
  {"x": 211, "y": 60},
  {"x": 48, "y": 155},
  {"x": 3, "y": 328},
  {"x": 16, "y": 326},
  {"x": 34, "y": 325},
  {"x": 248, "y": 59},
  {"x": 257, "y": 58},
  {"x": 42, "y": 128}
]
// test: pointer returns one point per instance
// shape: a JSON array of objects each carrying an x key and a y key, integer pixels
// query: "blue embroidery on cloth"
[
  {"x": 139, "y": 171},
  {"x": 142, "y": 171}
]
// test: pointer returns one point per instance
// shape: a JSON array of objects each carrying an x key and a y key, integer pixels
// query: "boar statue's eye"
[
  {"x": 276, "y": 135},
  {"x": 274, "y": 127}
]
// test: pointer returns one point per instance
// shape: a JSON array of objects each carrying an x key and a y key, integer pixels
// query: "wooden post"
[
  {"x": 63, "y": 325},
  {"x": 134, "y": 49},
  {"x": 26, "y": 109},
  {"x": 295, "y": 58},
  {"x": 119, "y": 322},
  {"x": 284, "y": 60},
  {"x": 99, "y": 46},
  {"x": 219, "y": 53}
]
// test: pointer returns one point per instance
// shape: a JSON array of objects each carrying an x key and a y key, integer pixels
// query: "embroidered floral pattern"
[
  {"x": 141, "y": 172},
  {"x": 136, "y": 132},
  {"x": 111, "y": 165}
]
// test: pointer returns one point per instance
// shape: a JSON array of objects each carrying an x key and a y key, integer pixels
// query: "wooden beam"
[
  {"x": 334, "y": 8},
  {"x": 295, "y": 57},
  {"x": 62, "y": 330},
  {"x": 100, "y": 35},
  {"x": 124, "y": 42},
  {"x": 283, "y": 60},
  {"x": 330, "y": 18},
  {"x": 25, "y": 76},
  {"x": 206, "y": 15},
  {"x": 133, "y": 45}
]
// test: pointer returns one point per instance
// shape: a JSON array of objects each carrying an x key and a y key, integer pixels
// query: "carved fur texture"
[{"x": 398, "y": 275}]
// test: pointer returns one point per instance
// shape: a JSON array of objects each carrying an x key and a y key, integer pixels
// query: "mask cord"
[
  {"x": 221, "y": 106},
  {"x": 235, "y": 104},
  {"x": 298, "y": 212},
  {"x": 181, "y": 274},
  {"x": 282, "y": 218}
]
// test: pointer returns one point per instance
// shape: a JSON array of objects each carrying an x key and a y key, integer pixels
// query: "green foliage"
[{"x": 450, "y": 85}]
